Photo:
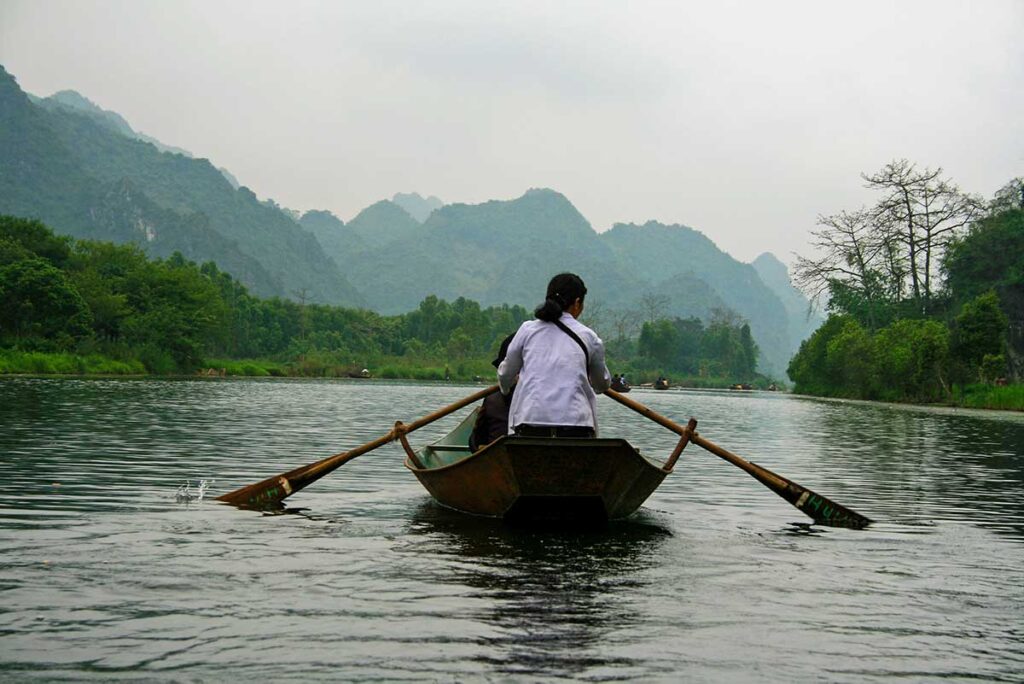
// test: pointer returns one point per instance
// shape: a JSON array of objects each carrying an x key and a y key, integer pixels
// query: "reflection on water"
[
  {"x": 111, "y": 568},
  {"x": 543, "y": 588}
]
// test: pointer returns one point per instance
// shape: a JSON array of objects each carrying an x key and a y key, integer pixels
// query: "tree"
[
  {"x": 881, "y": 263},
  {"x": 1008, "y": 197},
  {"x": 922, "y": 212},
  {"x": 746, "y": 362},
  {"x": 850, "y": 257},
  {"x": 913, "y": 360},
  {"x": 625, "y": 325},
  {"x": 36, "y": 238},
  {"x": 851, "y": 361},
  {"x": 809, "y": 369},
  {"x": 690, "y": 332},
  {"x": 991, "y": 257},
  {"x": 979, "y": 331},
  {"x": 659, "y": 342},
  {"x": 653, "y": 305},
  {"x": 36, "y": 300}
]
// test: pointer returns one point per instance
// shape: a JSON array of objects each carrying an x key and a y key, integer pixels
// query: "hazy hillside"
[
  {"x": 64, "y": 164},
  {"x": 383, "y": 223},
  {"x": 84, "y": 171},
  {"x": 418, "y": 207},
  {"x": 775, "y": 275},
  {"x": 505, "y": 251},
  {"x": 660, "y": 255},
  {"x": 339, "y": 241},
  {"x": 495, "y": 252}
]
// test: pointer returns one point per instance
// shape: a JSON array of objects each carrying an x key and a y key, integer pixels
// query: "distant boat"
[
  {"x": 741, "y": 386},
  {"x": 661, "y": 384},
  {"x": 620, "y": 385}
]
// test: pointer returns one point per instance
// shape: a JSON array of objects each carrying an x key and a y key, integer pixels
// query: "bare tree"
[
  {"x": 653, "y": 306},
  {"x": 851, "y": 253},
  {"x": 889, "y": 253},
  {"x": 626, "y": 325},
  {"x": 922, "y": 212},
  {"x": 593, "y": 315},
  {"x": 303, "y": 296},
  {"x": 1010, "y": 196}
]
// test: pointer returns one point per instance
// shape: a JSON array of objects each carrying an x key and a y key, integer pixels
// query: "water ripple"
[{"x": 109, "y": 571}]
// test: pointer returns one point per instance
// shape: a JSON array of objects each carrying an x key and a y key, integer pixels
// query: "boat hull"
[{"x": 530, "y": 478}]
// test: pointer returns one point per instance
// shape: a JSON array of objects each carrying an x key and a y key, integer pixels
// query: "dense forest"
[
  {"x": 926, "y": 294},
  {"x": 87, "y": 306}
]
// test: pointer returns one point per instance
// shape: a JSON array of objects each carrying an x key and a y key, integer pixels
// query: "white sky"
[{"x": 744, "y": 120}]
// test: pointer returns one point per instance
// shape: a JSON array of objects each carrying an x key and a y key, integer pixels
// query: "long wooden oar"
[
  {"x": 816, "y": 506},
  {"x": 275, "y": 489}
]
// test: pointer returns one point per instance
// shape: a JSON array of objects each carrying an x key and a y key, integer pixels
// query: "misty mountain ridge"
[
  {"x": 79, "y": 170},
  {"x": 74, "y": 100},
  {"x": 67, "y": 162},
  {"x": 418, "y": 207}
]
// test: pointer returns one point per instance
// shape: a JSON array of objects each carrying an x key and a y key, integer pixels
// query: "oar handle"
[
  {"x": 274, "y": 489},
  {"x": 332, "y": 462},
  {"x": 646, "y": 412}
]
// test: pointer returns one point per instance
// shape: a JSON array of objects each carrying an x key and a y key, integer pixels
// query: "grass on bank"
[
  {"x": 61, "y": 363},
  {"x": 1006, "y": 397}
]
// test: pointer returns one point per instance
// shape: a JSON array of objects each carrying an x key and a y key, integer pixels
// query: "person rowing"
[{"x": 560, "y": 366}]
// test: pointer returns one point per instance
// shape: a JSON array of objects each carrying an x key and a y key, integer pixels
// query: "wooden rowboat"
[
  {"x": 519, "y": 477},
  {"x": 537, "y": 478}
]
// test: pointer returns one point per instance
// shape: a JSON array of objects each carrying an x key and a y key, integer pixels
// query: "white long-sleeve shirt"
[{"x": 555, "y": 386}]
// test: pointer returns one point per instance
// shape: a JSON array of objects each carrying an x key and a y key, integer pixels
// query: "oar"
[
  {"x": 275, "y": 489},
  {"x": 821, "y": 509}
]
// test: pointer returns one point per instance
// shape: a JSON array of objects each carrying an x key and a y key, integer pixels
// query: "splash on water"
[{"x": 186, "y": 494}]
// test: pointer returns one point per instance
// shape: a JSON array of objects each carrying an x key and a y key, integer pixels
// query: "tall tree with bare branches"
[
  {"x": 921, "y": 211},
  {"x": 887, "y": 257}
]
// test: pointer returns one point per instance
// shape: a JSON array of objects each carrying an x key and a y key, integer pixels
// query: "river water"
[{"x": 110, "y": 571}]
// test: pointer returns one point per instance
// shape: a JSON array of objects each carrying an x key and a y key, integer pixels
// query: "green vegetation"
[
  {"x": 926, "y": 297},
  {"x": 85, "y": 307},
  {"x": 85, "y": 173},
  {"x": 63, "y": 363},
  {"x": 1010, "y": 397}
]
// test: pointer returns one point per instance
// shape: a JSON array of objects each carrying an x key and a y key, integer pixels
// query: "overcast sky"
[{"x": 744, "y": 120}]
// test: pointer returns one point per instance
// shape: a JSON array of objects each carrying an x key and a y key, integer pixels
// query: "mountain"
[
  {"x": 803, "y": 319},
  {"x": 383, "y": 223},
  {"x": 505, "y": 251},
  {"x": 496, "y": 252},
  {"x": 84, "y": 171},
  {"x": 417, "y": 207},
  {"x": 660, "y": 255},
  {"x": 72, "y": 100},
  {"x": 339, "y": 242},
  {"x": 71, "y": 164}
]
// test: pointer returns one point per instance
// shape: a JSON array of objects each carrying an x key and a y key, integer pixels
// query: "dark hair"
[
  {"x": 502, "y": 350},
  {"x": 563, "y": 290}
]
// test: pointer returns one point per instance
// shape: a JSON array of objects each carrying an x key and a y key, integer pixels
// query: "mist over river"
[{"x": 110, "y": 570}]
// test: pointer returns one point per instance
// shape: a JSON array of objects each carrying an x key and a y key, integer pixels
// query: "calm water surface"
[{"x": 106, "y": 575}]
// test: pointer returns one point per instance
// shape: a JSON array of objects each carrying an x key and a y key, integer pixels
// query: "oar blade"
[
  {"x": 821, "y": 509},
  {"x": 266, "y": 494}
]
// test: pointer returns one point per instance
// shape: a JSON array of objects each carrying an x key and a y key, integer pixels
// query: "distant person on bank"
[{"x": 559, "y": 363}]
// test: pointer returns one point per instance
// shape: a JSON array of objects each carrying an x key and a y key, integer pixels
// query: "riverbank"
[
  {"x": 979, "y": 396},
  {"x": 312, "y": 366},
  {"x": 1003, "y": 398}
]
